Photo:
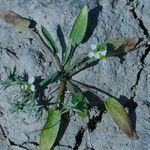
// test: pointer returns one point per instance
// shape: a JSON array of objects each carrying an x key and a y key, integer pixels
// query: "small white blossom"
[
  {"x": 103, "y": 52},
  {"x": 33, "y": 88},
  {"x": 93, "y": 46},
  {"x": 98, "y": 55},
  {"x": 29, "y": 85},
  {"x": 93, "y": 55},
  {"x": 31, "y": 79},
  {"x": 90, "y": 54}
]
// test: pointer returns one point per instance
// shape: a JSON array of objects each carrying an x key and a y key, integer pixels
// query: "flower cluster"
[
  {"x": 97, "y": 54},
  {"x": 29, "y": 86}
]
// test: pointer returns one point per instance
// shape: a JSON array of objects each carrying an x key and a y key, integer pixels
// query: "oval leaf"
[
  {"x": 13, "y": 18},
  {"x": 79, "y": 28},
  {"x": 49, "y": 39},
  {"x": 120, "y": 116},
  {"x": 50, "y": 130}
]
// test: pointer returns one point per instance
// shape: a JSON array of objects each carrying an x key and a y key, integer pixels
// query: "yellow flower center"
[{"x": 29, "y": 86}]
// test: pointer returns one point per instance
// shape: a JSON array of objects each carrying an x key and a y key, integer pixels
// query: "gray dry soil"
[{"x": 127, "y": 77}]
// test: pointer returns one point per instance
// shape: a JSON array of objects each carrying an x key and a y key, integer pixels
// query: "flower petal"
[
  {"x": 31, "y": 79},
  {"x": 93, "y": 46},
  {"x": 32, "y": 88},
  {"x": 22, "y": 87},
  {"x": 96, "y": 55},
  {"x": 103, "y": 52},
  {"x": 90, "y": 54}
]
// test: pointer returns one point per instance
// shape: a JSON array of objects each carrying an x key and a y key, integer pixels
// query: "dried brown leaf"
[{"x": 13, "y": 18}]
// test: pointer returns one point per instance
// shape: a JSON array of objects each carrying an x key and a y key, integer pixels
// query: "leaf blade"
[
  {"x": 79, "y": 28},
  {"x": 51, "y": 79},
  {"x": 120, "y": 116},
  {"x": 50, "y": 39},
  {"x": 50, "y": 129},
  {"x": 79, "y": 99}
]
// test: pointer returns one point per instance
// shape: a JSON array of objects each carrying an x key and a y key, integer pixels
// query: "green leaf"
[
  {"x": 79, "y": 99},
  {"x": 50, "y": 129},
  {"x": 13, "y": 18},
  {"x": 66, "y": 55},
  {"x": 120, "y": 116},
  {"x": 49, "y": 39},
  {"x": 51, "y": 79},
  {"x": 79, "y": 28},
  {"x": 116, "y": 46},
  {"x": 77, "y": 62}
]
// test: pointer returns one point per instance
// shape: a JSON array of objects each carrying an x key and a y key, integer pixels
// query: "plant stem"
[
  {"x": 55, "y": 58},
  {"x": 61, "y": 92},
  {"x": 89, "y": 63},
  {"x": 70, "y": 55},
  {"x": 77, "y": 62},
  {"x": 70, "y": 86},
  {"x": 64, "y": 111}
]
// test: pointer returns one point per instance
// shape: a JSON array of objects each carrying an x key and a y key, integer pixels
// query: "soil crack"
[
  {"x": 4, "y": 136},
  {"x": 18, "y": 145},
  {"x": 140, "y": 21},
  {"x": 147, "y": 50},
  {"x": 140, "y": 71}
]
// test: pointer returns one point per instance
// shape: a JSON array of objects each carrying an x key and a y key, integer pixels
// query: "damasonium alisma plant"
[{"x": 70, "y": 97}]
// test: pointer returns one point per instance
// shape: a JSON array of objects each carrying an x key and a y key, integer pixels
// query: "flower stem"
[
  {"x": 73, "y": 48},
  {"x": 89, "y": 63},
  {"x": 61, "y": 92},
  {"x": 77, "y": 62}
]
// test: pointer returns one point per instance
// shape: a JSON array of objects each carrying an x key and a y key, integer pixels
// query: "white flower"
[
  {"x": 29, "y": 85},
  {"x": 93, "y": 46},
  {"x": 91, "y": 54},
  {"x": 31, "y": 79},
  {"x": 98, "y": 55},
  {"x": 103, "y": 52}
]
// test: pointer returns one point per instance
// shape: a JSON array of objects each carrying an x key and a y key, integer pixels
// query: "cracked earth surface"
[{"x": 125, "y": 78}]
